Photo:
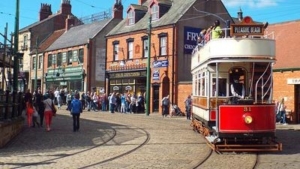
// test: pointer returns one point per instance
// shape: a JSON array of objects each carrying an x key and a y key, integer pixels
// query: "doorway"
[
  {"x": 297, "y": 103},
  {"x": 155, "y": 105}
]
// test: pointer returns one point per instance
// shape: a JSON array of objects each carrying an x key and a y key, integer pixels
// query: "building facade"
[
  {"x": 76, "y": 60},
  {"x": 170, "y": 29},
  {"x": 287, "y": 69},
  {"x": 31, "y": 37}
]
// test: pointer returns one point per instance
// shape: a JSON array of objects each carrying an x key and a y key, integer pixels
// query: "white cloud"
[{"x": 251, "y": 3}]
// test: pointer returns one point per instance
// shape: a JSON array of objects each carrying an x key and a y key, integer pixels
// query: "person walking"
[
  {"x": 188, "y": 107},
  {"x": 76, "y": 109},
  {"x": 123, "y": 102},
  {"x": 112, "y": 102},
  {"x": 40, "y": 106},
  {"x": 29, "y": 112},
  {"x": 165, "y": 106},
  {"x": 48, "y": 113},
  {"x": 281, "y": 108}
]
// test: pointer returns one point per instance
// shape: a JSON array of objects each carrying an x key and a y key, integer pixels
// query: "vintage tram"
[{"x": 232, "y": 90}]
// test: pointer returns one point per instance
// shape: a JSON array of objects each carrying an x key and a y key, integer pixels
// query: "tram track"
[{"x": 111, "y": 138}]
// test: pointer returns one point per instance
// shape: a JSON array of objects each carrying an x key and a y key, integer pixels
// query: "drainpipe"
[
  {"x": 88, "y": 65},
  {"x": 173, "y": 63},
  {"x": 105, "y": 73}
]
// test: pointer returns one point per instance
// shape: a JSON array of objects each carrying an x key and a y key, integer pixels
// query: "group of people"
[
  {"x": 212, "y": 32},
  {"x": 126, "y": 103},
  {"x": 43, "y": 106},
  {"x": 165, "y": 103}
]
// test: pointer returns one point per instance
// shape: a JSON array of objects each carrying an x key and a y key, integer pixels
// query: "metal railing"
[{"x": 11, "y": 105}]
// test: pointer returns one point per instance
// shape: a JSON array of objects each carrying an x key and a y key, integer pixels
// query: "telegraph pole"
[
  {"x": 4, "y": 57},
  {"x": 16, "y": 48},
  {"x": 148, "y": 68}
]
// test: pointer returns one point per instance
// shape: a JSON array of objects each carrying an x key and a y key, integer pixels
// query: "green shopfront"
[
  {"x": 70, "y": 78},
  {"x": 133, "y": 82}
]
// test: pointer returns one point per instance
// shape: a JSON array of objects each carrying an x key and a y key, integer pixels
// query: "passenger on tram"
[
  {"x": 237, "y": 89},
  {"x": 207, "y": 34},
  {"x": 216, "y": 31},
  {"x": 201, "y": 38}
]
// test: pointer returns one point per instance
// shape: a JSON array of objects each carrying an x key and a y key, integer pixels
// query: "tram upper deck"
[{"x": 219, "y": 50}]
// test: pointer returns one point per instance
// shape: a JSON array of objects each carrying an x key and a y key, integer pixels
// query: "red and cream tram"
[{"x": 232, "y": 90}]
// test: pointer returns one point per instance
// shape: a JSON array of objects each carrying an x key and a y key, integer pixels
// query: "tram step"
[{"x": 212, "y": 139}]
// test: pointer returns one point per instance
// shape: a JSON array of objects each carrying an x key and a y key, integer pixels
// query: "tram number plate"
[{"x": 247, "y": 109}]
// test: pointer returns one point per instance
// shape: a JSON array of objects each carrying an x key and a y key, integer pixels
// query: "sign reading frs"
[{"x": 190, "y": 39}]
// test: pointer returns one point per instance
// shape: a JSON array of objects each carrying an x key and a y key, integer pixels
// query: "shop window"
[{"x": 112, "y": 82}]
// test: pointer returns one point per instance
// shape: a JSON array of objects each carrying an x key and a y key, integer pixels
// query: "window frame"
[
  {"x": 81, "y": 55},
  {"x": 49, "y": 60},
  {"x": 40, "y": 61},
  {"x": 33, "y": 63},
  {"x": 59, "y": 59},
  {"x": 69, "y": 57},
  {"x": 154, "y": 12},
  {"x": 131, "y": 17},
  {"x": 145, "y": 41},
  {"x": 163, "y": 44}
]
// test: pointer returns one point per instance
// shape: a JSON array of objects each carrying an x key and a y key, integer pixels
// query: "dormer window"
[
  {"x": 155, "y": 12},
  {"x": 131, "y": 18}
]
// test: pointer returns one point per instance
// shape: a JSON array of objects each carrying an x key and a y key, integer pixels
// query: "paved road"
[
  {"x": 117, "y": 140},
  {"x": 107, "y": 140}
]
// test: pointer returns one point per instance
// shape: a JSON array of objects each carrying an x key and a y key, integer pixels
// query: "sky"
[{"x": 272, "y": 11}]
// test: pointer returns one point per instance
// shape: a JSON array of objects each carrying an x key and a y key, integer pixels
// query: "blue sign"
[
  {"x": 190, "y": 39},
  {"x": 155, "y": 75},
  {"x": 160, "y": 63}
]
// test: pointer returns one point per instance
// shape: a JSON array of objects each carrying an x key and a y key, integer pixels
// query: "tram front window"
[{"x": 222, "y": 87}]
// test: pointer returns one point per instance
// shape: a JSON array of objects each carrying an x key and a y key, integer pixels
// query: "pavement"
[{"x": 108, "y": 140}]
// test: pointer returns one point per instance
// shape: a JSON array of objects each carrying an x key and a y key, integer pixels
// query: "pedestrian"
[
  {"x": 112, "y": 102},
  {"x": 40, "y": 106},
  {"x": 282, "y": 108},
  {"x": 123, "y": 102},
  {"x": 48, "y": 112},
  {"x": 188, "y": 107},
  {"x": 132, "y": 105},
  {"x": 76, "y": 109},
  {"x": 165, "y": 102}
]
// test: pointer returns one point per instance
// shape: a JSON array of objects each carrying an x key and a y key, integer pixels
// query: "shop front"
[
  {"x": 133, "y": 82},
  {"x": 70, "y": 78}
]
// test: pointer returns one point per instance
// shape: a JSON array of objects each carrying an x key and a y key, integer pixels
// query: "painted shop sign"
[
  {"x": 116, "y": 88},
  {"x": 127, "y": 74},
  {"x": 160, "y": 63},
  {"x": 293, "y": 81},
  {"x": 190, "y": 39},
  {"x": 155, "y": 75}
]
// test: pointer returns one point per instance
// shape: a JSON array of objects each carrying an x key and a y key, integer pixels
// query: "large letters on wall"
[{"x": 190, "y": 39}]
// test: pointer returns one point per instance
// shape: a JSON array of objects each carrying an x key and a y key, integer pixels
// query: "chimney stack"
[
  {"x": 70, "y": 21},
  {"x": 45, "y": 11},
  {"x": 118, "y": 10},
  {"x": 142, "y": 1},
  {"x": 65, "y": 7}
]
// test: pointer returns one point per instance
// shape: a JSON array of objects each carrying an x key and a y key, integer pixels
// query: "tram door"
[
  {"x": 297, "y": 103},
  {"x": 155, "y": 98}
]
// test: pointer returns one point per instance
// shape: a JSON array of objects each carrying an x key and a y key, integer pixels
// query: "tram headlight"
[{"x": 248, "y": 119}]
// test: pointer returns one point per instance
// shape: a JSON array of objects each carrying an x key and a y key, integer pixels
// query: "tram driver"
[{"x": 237, "y": 89}]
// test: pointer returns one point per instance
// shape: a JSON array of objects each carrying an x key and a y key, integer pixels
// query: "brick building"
[
  {"x": 31, "y": 36},
  {"x": 175, "y": 25},
  {"x": 76, "y": 60},
  {"x": 287, "y": 69}
]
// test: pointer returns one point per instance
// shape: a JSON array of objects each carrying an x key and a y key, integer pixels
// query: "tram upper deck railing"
[{"x": 232, "y": 48}]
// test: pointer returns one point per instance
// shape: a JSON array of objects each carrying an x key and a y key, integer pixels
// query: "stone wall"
[{"x": 10, "y": 129}]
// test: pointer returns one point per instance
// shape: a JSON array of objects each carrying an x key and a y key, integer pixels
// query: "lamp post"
[
  {"x": 148, "y": 68},
  {"x": 35, "y": 71},
  {"x": 16, "y": 48}
]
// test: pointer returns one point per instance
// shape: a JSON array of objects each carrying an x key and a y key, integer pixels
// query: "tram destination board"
[{"x": 242, "y": 30}]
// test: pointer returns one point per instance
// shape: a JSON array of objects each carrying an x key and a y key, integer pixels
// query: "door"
[
  {"x": 155, "y": 98},
  {"x": 297, "y": 103}
]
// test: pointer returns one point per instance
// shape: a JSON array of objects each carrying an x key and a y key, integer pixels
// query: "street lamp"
[
  {"x": 16, "y": 48},
  {"x": 148, "y": 68}
]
